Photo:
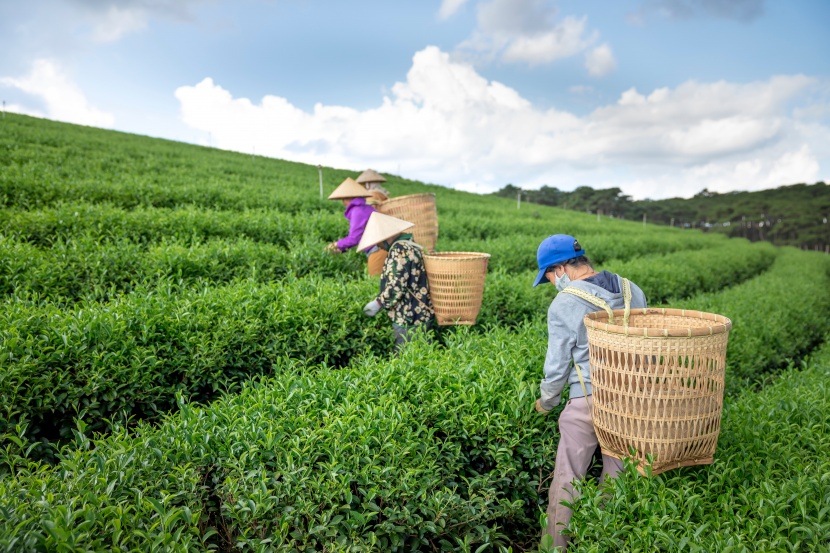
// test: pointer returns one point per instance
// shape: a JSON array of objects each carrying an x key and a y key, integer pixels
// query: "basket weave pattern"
[
  {"x": 420, "y": 210},
  {"x": 456, "y": 285},
  {"x": 658, "y": 384}
]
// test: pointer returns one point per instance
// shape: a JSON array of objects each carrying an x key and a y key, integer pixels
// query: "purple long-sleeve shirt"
[{"x": 357, "y": 212}]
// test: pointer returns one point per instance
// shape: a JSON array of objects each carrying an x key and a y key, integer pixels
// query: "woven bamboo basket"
[
  {"x": 658, "y": 384},
  {"x": 418, "y": 209},
  {"x": 456, "y": 285}
]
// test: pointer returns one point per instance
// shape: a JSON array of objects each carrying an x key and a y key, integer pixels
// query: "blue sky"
[{"x": 660, "y": 98}]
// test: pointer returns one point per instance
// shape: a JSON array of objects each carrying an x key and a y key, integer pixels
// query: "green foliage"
[
  {"x": 682, "y": 274},
  {"x": 439, "y": 448},
  {"x": 83, "y": 268},
  {"x": 768, "y": 489},
  {"x": 129, "y": 357},
  {"x": 143, "y": 280},
  {"x": 777, "y": 317}
]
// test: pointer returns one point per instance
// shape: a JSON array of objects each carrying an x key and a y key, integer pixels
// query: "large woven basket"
[
  {"x": 456, "y": 285},
  {"x": 658, "y": 384},
  {"x": 418, "y": 209}
]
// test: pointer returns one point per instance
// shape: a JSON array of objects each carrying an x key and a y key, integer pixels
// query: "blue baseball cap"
[{"x": 553, "y": 250}]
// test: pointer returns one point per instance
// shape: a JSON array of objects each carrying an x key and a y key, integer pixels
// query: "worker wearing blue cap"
[{"x": 562, "y": 261}]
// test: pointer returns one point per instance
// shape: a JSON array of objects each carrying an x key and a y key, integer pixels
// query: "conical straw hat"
[
  {"x": 370, "y": 175},
  {"x": 349, "y": 188},
  {"x": 379, "y": 228}
]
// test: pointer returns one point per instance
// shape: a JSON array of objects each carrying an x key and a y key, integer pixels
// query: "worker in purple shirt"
[{"x": 353, "y": 195}]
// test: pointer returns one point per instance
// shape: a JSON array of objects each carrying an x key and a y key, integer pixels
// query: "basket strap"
[
  {"x": 626, "y": 286},
  {"x": 590, "y": 298},
  {"x": 584, "y": 391},
  {"x": 602, "y": 304},
  {"x": 411, "y": 243}
]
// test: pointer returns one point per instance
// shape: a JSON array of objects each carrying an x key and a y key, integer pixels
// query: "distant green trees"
[{"x": 795, "y": 215}]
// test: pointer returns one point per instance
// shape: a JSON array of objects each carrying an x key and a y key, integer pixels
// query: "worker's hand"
[
  {"x": 332, "y": 248},
  {"x": 539, "y": 408},
  {"x": 372, "y": 308}
]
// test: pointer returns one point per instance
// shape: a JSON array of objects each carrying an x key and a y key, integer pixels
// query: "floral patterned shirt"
[{"x": 404, "y": 291}]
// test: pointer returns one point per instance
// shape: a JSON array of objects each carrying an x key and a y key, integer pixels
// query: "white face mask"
[{"x": 562, "y": 282}]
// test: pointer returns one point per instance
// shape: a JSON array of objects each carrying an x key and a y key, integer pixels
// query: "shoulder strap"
[
  {"x": 411, "y": 243},
  {"x": 602, "y": 304},
  {"x": 592, "y": 299}
]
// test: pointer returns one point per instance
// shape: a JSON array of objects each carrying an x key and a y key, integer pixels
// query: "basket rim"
[
  {"x": 408, "y": 196},
  {"x": 457, "y": 255},
  {"x": 722, "y": 324}
]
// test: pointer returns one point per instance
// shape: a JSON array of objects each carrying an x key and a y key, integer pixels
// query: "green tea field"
[{"x": 184, "y": 368}]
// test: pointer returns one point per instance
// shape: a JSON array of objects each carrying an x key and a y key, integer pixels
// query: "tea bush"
[
  {"x": 768, "y": 489},
  {"x": 84, "y": 269},
  {"x": 103, "y": 222},
  {"x": 142, "y": 278},
  {"x": 682, "y": 274},
  {"x": 129, "y": 357},
  {"x": 370, "y": 436},
  {"x": 46, "y": 163},
  {"x": 777, "y": 317},
  {"x": 438, "y": 448}
]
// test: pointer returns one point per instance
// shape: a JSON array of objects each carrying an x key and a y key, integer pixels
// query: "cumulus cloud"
[
  {"x": 600, "y": 61},
  {"x": 62, "y": 99},
  {"x": 447, "y": 124},
  {"x": 525, "y": 31}
]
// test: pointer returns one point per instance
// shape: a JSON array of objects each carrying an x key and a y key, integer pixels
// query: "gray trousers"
[{"x": 577, "y": 444}]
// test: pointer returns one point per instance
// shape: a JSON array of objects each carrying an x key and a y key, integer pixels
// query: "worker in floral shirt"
[{"x": 404, "y": 290}]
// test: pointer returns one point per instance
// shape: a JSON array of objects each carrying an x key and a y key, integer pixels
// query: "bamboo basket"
[
  {"x": 456, "y": 285},
  {"x": 658, "y": 385},
  {"x": 418, "y": 209}
]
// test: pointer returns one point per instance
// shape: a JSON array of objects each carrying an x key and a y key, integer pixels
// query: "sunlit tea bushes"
[
  {"x": 685, "y": 273},
  {"x": 768, "y": 489},
  {"x": 777, "y": 317},
  {"x": 130, "y": 356},
  {"x": 84, "y": 269},
  {"x": 104, "y": 222},
  {"x": 144, "y": 279},
  {"x": 432, "y": 449},
  {"x": 265, "y": 450},
  {"x": 45, "y": 163}
]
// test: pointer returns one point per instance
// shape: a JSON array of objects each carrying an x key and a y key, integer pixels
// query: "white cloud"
[
  {"x": 525, "y": 31},
  {"x": 115, "y": 22},
  {"x": 563, "y": 41},
  {"x": 64, "y": 101},
  {"x": 600, "y": 61},
  {"x": 449, "y": 125},
  {"x": 449, "y": 7}
]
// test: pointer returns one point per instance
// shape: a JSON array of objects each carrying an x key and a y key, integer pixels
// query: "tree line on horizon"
[{"x": 795, "y": 215}]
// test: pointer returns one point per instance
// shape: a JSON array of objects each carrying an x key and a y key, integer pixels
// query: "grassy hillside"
[{"x": 182, "y": 364}]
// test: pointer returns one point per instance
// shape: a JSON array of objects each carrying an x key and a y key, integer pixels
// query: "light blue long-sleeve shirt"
[{"x": 568, "y": 338}]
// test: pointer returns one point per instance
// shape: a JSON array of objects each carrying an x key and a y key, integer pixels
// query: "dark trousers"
[{"x": 404, "y": 334}]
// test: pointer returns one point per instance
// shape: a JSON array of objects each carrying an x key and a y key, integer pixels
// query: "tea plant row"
[
  {"x": 128, "y": 357},
  {"x": 439, "y": 448},
  {"x": 85, "y": 269},
  {"x": 90, "y": 267},
  {"x": 768, "y": 489},
  {"x": 426, "y": 450}
]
